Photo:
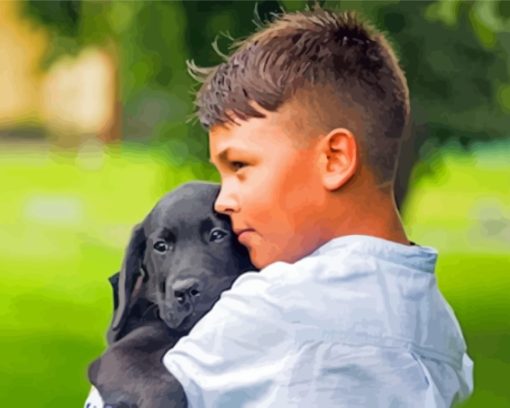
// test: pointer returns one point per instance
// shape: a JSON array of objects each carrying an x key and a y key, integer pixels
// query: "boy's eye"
[{"x": 237, "y": 165}]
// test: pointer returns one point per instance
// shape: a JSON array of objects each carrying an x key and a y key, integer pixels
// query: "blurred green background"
[{"x": 94, "y": 129}]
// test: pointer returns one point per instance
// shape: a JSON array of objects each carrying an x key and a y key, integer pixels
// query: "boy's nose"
[{"x": 225, "y": 203}]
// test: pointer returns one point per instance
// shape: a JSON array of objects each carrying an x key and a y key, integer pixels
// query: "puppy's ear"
[
  {"x": 129, "y": 281},
  {"x": 114, "y": 281}
]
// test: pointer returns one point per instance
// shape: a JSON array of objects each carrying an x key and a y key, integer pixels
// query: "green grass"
[{"x": 65, "y": 223}]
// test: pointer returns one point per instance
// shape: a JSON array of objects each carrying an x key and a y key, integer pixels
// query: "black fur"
[{"x": 178, "y": 261}]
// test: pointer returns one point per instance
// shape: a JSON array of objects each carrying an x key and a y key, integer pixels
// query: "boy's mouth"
[
  {"x": 239, "y": 231},
  {"x": 243, "y": 234}
]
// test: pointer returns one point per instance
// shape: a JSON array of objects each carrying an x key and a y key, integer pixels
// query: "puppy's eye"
[
  {"x": 217, "y": 235},
  {"x": 161, "y": 246}
]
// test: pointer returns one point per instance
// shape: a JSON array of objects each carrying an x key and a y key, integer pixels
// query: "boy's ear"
[{"x": 339, "y": 158}]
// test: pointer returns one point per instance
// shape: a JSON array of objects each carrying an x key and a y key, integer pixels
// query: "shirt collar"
[{"x": 419, "y": 257}]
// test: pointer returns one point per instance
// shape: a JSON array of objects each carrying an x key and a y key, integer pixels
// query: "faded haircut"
[{"x": 339, "y": 70}]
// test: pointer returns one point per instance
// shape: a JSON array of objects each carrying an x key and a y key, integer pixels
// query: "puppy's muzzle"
[
  {"x": 186, "y": 290},
  {"x": 182, "y": 301}
]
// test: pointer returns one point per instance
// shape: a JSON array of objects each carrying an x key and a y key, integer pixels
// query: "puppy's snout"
[{"x": 186, "y": 289}]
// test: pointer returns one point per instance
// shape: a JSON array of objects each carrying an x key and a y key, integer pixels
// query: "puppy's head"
[{"x": 180, "y": 258}]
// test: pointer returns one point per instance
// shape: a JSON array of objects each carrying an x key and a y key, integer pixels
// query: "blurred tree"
[{"x": 456, "y": 55}]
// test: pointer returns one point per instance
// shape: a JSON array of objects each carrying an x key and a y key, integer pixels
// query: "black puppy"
[{"x": 178, "y": 261}]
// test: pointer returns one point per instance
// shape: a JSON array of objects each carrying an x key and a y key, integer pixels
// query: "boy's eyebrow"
[{"x": 222, "y": 156}]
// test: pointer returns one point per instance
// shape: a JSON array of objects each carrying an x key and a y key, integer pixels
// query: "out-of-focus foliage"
[{"x": 456, "y": 53}]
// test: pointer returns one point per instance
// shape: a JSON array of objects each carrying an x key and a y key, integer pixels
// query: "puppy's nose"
[{"x": 186, "y": 289}]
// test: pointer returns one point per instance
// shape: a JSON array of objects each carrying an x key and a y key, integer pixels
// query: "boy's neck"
[{"x": 377, "y": 217}]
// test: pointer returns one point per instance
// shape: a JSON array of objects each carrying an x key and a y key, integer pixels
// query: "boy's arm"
[
  {"x": 231, "y": 356},
  {"x": 231, "y": 340}
]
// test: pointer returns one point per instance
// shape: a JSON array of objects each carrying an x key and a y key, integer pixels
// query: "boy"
[{"x": 305, "y": 122}]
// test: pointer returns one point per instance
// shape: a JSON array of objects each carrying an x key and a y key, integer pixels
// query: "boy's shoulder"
[
  {"x": 349, "y": 257},
  {"x": 349, "y": 268},
  {"x": 356, "y": 274},
  {"x": 360, "y": 288}
]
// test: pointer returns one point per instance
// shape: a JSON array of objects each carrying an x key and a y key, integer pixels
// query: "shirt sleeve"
[{"x": 236, "y": 351}]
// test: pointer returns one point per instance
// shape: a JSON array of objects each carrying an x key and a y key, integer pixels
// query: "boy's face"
[{"x": 270, "y": 186}]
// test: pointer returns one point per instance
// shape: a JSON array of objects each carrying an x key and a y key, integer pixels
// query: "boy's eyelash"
[{"x": 237, "y": 162}]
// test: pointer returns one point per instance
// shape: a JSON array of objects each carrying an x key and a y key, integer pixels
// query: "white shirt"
[{"x": 358, "y": 323}]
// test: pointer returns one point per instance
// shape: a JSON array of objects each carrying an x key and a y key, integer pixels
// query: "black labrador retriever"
[{"x": 178, "y": 262}]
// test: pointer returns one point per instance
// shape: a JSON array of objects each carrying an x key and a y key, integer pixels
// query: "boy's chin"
[
  {"x": 262, "y": 253},
  {"x": 258, "y": 260}
]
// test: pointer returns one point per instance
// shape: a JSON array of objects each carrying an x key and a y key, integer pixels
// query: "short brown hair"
[{"x": 334, "y": 62}]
